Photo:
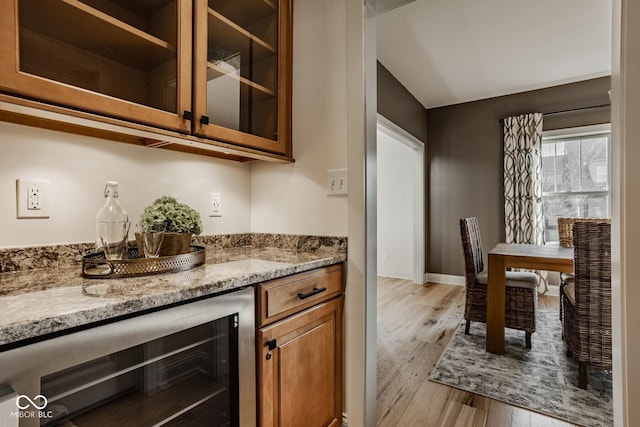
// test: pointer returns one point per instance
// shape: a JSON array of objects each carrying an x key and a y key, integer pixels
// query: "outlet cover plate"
[
  {"x": 215, "y": 204},
  {"x": 32, "y": 198}
]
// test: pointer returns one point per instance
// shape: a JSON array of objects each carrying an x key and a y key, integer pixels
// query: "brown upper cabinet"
[
  {"x": 210, "y": 71},
  {"x": 242, "y": 72}
]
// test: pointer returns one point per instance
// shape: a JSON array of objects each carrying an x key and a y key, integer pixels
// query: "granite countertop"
[{"x": 37, "y": 302}]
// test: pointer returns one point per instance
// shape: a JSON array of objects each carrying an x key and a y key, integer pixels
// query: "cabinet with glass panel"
[
  {"x": 205, "y": 69},
  {"x": 242, "y": 72}
]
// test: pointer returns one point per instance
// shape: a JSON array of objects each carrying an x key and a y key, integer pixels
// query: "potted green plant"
[{"x": 181, "y": 222}]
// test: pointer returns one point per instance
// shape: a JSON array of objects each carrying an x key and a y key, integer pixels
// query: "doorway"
[{"x": 400, "y": 203}]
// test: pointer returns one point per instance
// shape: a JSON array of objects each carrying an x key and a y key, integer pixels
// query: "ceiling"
[{"x": 448, "y": 52}]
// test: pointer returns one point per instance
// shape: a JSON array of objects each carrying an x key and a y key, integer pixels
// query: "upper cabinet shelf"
[
  {"x": 229, "y": 36},
  {"x": 79, "y": 25},
  {"x": 245, "y": 12},
  {"x": 218, "y": 70}
]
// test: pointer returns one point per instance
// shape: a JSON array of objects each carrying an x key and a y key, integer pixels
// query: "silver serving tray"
[{"x": 96, "y": 266}]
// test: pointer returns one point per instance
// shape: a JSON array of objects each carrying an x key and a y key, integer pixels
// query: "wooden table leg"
[{"x": 496, "y": 296}]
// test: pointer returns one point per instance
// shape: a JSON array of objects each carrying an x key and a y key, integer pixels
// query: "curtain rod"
[{"x": 574, "y": 110}]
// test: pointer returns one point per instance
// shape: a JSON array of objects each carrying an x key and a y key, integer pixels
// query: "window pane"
[
  {"x": 568, "y": 165},
  {"x": 572, "y": 205},
  {"x": 548, "y": 171},
  {"x": 594, "y": 164},
  {"x": 596, "y": 206}
]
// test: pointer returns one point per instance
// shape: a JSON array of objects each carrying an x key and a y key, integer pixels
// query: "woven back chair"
[
  {"x": 521, "y": 296},
  {"x": 565, "y": 233},
  {"x": 587, "y": 303},
  {"x": 565, "y": 228}
]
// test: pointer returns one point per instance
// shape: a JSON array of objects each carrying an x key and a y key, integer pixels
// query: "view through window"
[{"x": 575, "y": 177}]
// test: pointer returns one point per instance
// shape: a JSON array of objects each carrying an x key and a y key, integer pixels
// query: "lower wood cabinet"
[{"x": 300, "y": 375}]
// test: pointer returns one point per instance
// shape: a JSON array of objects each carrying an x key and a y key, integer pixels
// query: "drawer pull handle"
[{"x": 312, "y": 293}]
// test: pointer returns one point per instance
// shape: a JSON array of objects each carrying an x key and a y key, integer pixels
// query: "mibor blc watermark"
[{"x": 31, "y": 408}]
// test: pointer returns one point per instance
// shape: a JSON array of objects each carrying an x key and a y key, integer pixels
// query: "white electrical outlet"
[
  {"x": 215, "y": 204},
  {"x": 32, "y": 198},
  {"x": 337, "y": 182}
]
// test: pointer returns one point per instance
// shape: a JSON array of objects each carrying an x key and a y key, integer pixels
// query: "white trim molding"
[
  {"x": 550, "y": 135},
  {"x": 394, "y": 131},
  {"x": 446, "y": 279}
]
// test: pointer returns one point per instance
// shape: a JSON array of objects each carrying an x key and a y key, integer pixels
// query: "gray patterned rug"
[{"x": 542, "y": 379}]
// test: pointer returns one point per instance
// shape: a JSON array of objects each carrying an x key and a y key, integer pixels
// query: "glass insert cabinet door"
[
  {"x": 130, "y": 59},
  {"x": 242, "y": 77}
]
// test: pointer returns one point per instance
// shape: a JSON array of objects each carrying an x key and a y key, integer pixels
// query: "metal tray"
[{"x": 96, "y": 266}]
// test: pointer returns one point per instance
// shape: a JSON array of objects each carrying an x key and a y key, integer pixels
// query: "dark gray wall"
[
  {"x": 464, "y": 161},
  {"x": 397, "y": 104}
]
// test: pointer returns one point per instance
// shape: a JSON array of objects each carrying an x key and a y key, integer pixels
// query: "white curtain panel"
[{"x": 523, "y": 179}]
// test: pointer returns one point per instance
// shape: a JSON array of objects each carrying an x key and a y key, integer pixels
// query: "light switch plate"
[
  {"x": 337, "y": 182},
  {"x": 32, "y": 198}
]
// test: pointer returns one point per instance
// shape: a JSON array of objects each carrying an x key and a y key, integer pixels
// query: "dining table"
[{"x": 514, "y": 255}]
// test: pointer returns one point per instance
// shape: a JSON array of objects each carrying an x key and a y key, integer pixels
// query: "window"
[{"x": 575, "y": 175}]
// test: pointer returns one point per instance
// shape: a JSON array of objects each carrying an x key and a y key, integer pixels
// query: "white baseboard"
[
  {"x": 393, "y": 275},
  {"x": 446, "y": 279}
]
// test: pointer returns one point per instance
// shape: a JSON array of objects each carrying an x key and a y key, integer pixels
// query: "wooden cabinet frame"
[
  {"x": 13, "y": 80},
  {"x": 281, "y": 144},
  {"x": 163, "y": 129}
]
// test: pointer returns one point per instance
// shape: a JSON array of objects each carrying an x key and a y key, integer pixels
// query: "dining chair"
[
  {"x": 586, "y": 304},
  {"x": 565, "y": 236},
  {"x": 521, "y": 304}
]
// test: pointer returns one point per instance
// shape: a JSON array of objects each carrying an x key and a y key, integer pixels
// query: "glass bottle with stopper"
[{"x": 112, "y": 225}]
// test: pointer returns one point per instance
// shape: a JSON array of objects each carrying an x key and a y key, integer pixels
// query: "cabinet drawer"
[{"x": 283, "y": 297}]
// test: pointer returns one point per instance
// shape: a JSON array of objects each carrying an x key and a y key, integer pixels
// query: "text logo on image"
[
  {"x": 24, "y": 402},
  {"x": 31, "y": 408}
]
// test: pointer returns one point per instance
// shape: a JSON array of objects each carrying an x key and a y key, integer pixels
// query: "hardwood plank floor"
[{"x": 415, "y": 324}]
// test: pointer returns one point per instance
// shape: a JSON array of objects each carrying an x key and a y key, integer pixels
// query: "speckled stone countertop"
[{"x": 36, "y": 302}]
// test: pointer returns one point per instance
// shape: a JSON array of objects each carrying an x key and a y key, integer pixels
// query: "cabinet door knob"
[
  {"x": 187, "y": 115},
  {"x": 204, "y": 120},
  {"x": 272, "y": 344}
]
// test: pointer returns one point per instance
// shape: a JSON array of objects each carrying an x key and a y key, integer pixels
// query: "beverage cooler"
[{"x": 189, "y": 365}]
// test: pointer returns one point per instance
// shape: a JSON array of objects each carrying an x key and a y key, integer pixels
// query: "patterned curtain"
[
  {"x": 523, "y": 218},
  {"x": 523, "y": 179}
]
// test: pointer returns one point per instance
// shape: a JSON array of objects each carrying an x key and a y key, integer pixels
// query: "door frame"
[{"x": 394, "y": 131}]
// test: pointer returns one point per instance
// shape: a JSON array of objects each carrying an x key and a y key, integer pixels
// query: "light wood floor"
[{"x": 415, "y": 324}]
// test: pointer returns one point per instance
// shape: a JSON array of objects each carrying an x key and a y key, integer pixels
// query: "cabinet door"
[
  {"x": 242, "y": 60},
  {"x": 300, "y": 379},
  {"x": 125, "y": 59}
]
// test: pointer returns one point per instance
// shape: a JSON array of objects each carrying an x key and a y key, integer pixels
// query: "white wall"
[
  {"x": 292, "y": 198},
  {"x": 395, "y": 208},
  {"x": 78, "y": 168}
]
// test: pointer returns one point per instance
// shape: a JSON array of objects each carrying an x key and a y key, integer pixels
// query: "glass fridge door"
[{"x": 189, "y": 378}]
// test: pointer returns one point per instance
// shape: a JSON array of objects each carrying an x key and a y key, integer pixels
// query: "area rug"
[{"x": 540, "y": 379}]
